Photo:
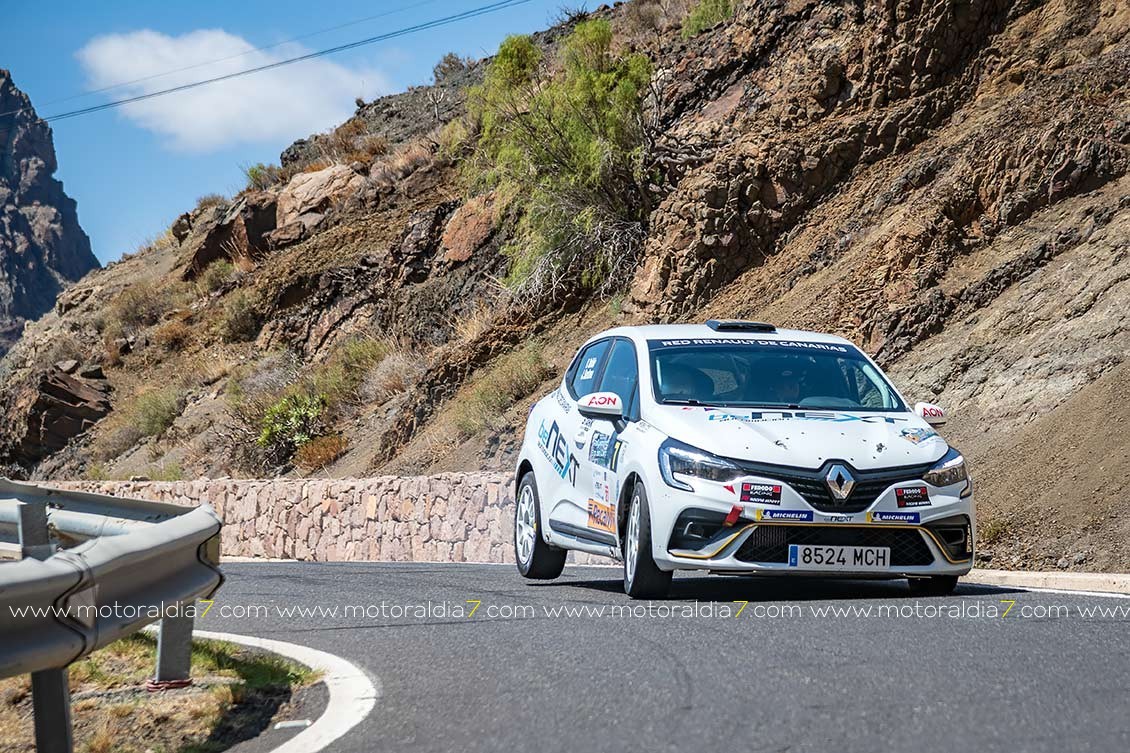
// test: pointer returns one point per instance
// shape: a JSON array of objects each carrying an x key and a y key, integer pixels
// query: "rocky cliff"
[
  {"x": 42, "y": 247},
  {"x": 943, "y": 181}
]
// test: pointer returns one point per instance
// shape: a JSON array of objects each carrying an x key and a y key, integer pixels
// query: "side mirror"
[
  {"x": 606, "y": 405},
  {"x": 934, "y": 415}
]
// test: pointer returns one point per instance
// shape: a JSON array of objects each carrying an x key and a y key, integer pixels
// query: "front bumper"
[{"x": 690, "y": 531}]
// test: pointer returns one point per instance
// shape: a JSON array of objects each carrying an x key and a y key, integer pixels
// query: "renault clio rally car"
[{"x": 739, "y": 448}]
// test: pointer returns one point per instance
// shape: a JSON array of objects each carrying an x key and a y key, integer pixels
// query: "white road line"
[
  {"x": 353, "y": 693},
  {"x": 1037, "y": 589}
]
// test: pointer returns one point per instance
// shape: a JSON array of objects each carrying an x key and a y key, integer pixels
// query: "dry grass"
[
  {"x": 319, "y": 453},
  {"x": 396, "y": 373},
  {"x": 510, "y": 378},
  {"x": 173, "y": 336},
  {"x": 409, "y": 158},
  {"x": 199, "y": 718},
  {"x": 469, "y": 327}
]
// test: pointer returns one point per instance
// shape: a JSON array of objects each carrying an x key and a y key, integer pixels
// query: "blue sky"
[{"x": 132, "y": 172}]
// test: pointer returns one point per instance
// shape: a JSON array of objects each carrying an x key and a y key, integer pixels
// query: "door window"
[
  {"x": 586, "y": 369},
  {"x": 621, "y": 375}
]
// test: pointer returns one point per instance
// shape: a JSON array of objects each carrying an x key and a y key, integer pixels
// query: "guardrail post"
[
  {"x": 51, "y": 704},
  {"x": 35, "y": 541},
  {"x": 174, "y": 651},
  {"x": 50, "y": 690}
]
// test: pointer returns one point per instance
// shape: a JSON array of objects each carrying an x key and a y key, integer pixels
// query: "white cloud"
[{"x": 270, "y": 106}]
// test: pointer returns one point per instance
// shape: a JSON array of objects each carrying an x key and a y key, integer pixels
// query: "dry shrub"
[
  {"x": 471, "y": 326},
  {"x": 140, "y": 305},
  {"x": 173, "y": 336},
  {"x": 320, "y": 452},
  {"x": 239, "y": 321},
  {"x": 403, "y": 162},
  {"x": 209, "y": 200},
  {"x": 396, "y": 373}
]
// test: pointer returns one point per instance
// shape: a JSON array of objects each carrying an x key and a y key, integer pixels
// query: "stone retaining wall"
[{"x": 452, "y": 517}]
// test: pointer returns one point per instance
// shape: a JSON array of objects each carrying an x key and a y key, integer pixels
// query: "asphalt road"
[{"x": 944, "y": 674}]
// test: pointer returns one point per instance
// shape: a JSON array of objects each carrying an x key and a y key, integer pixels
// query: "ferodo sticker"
[
  {"x": 766, "y": 494},
  {"x": 912, "y": 496},
  {"x": 602, "y": 517},
  {"x": 783, "y": 515},
  {"x": 892, "y": 517}
]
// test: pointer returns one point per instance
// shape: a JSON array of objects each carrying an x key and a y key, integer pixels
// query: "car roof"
[{"x": 643, "y": 333}]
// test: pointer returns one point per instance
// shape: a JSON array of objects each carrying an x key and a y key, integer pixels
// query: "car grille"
[
  {"x": 810, "y": 484},
  {"x": 770, "y": 543}
]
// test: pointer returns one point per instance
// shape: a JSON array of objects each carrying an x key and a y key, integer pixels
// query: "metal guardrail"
[{"x": 137, "y": 562}]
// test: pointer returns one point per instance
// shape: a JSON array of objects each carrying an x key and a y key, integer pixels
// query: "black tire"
[
  {"x": 934, "y": 585},
  {"x": 645, "y": 580},
  {"x": 544, "y": 562}
]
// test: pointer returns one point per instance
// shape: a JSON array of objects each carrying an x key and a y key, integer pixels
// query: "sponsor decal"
[
  {"x": 755, "y": 341},
  {"x": 602, "y": 483},
  {"x": 713, "y": 414},
  {"x": 589, "y": 369},
  {"x": 783, "y": 515},
  {"x": 836, "y": 518},
  {"x": 892, "y": 517},
  {"x": 766, "y": 494},
  {"x": 583, "y": 434},
  {"x": 600, "y": 400},
  {"x": 556, "y": 450},
  {"x": 562, "y": 402},
  {"x": 605, "y": 450},
  {"x": 930, "y": 411},
  {"x": 912, "y": 496},
  {"x": 918, "y": 435},
  {"x": 601, "y": 517}
]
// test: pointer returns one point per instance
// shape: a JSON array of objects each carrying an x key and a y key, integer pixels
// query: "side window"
[
  {"x": 586, "y": 369},
  {"x": 621, "y": 375}
]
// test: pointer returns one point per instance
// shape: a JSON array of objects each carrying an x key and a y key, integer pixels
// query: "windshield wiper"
[{"x": 689, "y": 401}]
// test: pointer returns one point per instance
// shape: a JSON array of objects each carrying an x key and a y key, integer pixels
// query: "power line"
[
  {"x": 436, "y": 23},
  {"x": 239, "y": 54}
]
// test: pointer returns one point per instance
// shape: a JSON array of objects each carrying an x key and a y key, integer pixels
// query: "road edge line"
[
  {"x": 1105, "y": 584},
  {"x": 353, "y": 693}
]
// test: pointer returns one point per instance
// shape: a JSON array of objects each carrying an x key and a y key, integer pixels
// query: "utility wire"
[
  {"x": 481, "y": 10},
  {"x": 238, "y": 54}
]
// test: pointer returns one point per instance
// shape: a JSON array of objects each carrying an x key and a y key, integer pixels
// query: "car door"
[
  {"x": 599, "y": 459},
  {"x": 562, "y": 433}
]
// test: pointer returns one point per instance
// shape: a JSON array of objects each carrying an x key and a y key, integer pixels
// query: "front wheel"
[
  {"x": 536, "y": 559},
  {"x": 934, "y": 585},
  {"x": 642, "y": 577}
]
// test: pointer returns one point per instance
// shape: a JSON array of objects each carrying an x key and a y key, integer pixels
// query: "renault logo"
[{"x": 840, "y": 482}]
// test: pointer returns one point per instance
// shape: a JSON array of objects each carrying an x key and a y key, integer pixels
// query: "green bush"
[
  {"x": 261, "y": 176},
  {"x": 291, "y": 422},
  {"x": 240, "y": 319},
  {"x": 214, "y": 276},
  {"x": 569, "y": 149},
  {"x": 155, "y": 411},
  {"x": 706, "y": 14}
]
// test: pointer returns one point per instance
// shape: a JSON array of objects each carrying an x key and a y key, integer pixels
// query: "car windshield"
[{"x": 750, "y": 372}]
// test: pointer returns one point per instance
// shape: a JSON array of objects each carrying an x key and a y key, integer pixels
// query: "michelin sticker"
[
  {"x": 783, "y": 515},
  {"x": 892, "y": 517}
]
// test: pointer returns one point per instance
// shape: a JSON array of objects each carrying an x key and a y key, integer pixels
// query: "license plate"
[{"x": 816, "y": 557}]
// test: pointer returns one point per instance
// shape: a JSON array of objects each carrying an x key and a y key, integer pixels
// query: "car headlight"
[
  {"x": 676, "y": 458},
  {"x": 948, "y": 471}
]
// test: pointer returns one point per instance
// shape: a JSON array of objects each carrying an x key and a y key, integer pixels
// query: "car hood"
[{"x": 803, "y": 438}]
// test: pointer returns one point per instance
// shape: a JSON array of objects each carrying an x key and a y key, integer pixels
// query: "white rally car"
[{"x": 739, "y": 448}]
